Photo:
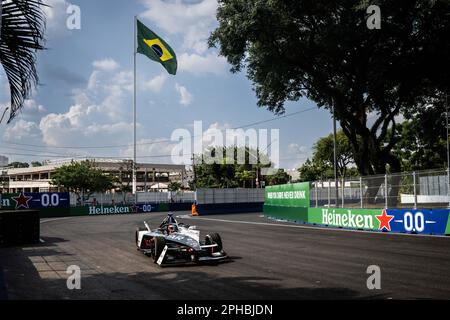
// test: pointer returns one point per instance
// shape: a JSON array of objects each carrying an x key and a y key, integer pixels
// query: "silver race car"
[{"x": 174, "y": 242}]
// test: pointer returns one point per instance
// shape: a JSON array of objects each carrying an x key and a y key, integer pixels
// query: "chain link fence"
[{"x": 421, "y": 189}]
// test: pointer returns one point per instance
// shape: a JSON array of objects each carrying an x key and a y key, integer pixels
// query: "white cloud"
[
  {"x": 155, "y": 84},
  {"x": 22, "y": 130},
  {"x": 33, "y": 107},
  {"x": 295, "y": 156},
  {"x": 185, "y": 96},
  {"x": 180, "y": 17},
  {"x": 192, "y": 20},
  {"x": 197, "y": 64},
  {"x": 99, "y": 111},
  {"x": 56, "y": 18},
  {"x": 107, "y": 64}
]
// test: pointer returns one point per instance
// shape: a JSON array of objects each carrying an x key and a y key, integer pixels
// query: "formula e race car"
[{"x": 175, "y": 242}]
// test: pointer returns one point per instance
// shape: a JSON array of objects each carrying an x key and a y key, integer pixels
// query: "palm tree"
[{"x": 21, "y": 35}]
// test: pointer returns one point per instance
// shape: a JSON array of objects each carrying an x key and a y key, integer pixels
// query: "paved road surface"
[{"x": 270, "y": 260}]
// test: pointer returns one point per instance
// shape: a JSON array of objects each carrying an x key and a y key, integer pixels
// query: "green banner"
[
  {"x": 290, "y": 195},
  {"x": 346, "y": 218}
]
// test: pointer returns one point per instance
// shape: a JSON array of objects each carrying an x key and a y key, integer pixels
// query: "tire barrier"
[
  {"x": 417, "y": 221},
  {"x": 19, "y": 227}
]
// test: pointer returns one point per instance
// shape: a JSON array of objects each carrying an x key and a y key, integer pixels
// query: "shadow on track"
[{"x": 27, "y": 277}]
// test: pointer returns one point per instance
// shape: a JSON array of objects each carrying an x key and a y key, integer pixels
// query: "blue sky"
[{"x": 85, "y": 96}]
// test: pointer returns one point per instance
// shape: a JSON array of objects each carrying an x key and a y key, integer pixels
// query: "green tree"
[
  {"x": 422, "y": 139},
  {"x": 36, "y": 164},
  {"x": 174, "y": 186},
  {"x": 82, "y": 178},
  {"x": 226, "y": 171},
  {"x": 243, "y": 176},
  {"x": 280, "y": 177},
  {"x": 21, "y": 35},
  {"x": 324, "y": 51},
  {"x": 314, "y": 171},
  {"x": 19, "y": 165},
  {"x": 323, "y": 152}
]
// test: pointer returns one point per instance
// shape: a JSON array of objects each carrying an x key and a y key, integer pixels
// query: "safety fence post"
[
  {"x": 329, "y": 193},
  {"x": 385, "y": 191},
  {"x": 316, "y": 193},
  {"x": 415, "y": 190},
  {"x": 361, "y": 192}
]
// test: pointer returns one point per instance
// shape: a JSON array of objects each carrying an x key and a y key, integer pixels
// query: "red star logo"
[
  {"x": 22, "y": 201},
  {"x": 134, "y": 208},
  {"x": 385, "y": 220}
]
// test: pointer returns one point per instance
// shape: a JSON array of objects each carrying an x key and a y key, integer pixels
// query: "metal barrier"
[
  {"x": 401, "y": 190},
  {"x": 218, "y": 196},
  {"x": 129, "y": 198}
]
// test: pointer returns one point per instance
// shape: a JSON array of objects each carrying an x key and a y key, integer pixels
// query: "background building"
[
  {"x": 150, "y": 177},
  {"x": 3, "y": 161}
]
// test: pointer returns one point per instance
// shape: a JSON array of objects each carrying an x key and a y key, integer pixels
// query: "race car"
[{"x": 174, "y": 242}]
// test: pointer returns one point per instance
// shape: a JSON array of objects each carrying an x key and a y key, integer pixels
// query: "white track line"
[
  {"x": 55, "y": 219},
  {"x": 310, "y": 227}
]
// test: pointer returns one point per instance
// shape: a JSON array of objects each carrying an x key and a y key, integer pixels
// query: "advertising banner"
[
  {"x": 24, "y": 200},
  {"x": 118, "y": 209},
  {"x": 390, "y": 220},
  {"x": 364, "y": 219},
  {"x": 289, "y": 195}
]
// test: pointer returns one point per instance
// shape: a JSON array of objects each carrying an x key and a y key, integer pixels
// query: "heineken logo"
[
  {"x": 361, "y": 220},
  {"x": 347, "y": 220},
  {"x": 109, "y": 210}
]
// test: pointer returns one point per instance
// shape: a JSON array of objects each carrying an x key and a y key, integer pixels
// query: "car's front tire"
[
  {"x": 214, "y": 238},
  {"x": 160, "y": 243}
]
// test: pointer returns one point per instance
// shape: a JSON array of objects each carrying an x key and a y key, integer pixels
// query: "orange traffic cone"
[{"x": 194, "y": 210}]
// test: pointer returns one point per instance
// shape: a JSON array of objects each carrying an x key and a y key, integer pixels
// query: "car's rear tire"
[
  {"x": 214, "y": 238},
  {"x": 160, "y": 243}
]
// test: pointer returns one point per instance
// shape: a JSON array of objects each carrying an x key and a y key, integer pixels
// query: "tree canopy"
[
  {"x": 82, "y": 178},
  {"x": 324, "y": 51}
]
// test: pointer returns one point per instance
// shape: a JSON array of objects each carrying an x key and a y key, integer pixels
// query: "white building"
[{"x": 150, "y": 177}]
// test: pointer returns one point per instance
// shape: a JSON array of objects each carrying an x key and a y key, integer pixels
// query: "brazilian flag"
[{"x": 155, "y": 48}]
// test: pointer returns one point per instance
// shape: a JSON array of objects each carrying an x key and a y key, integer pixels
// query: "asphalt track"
[{"x": 269, "y": 260}]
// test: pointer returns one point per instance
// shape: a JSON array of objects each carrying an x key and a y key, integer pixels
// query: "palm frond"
[{"x": 22, "y": 34}]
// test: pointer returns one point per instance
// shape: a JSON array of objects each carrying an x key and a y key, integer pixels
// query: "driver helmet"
[{"x": 171, "y": 228}]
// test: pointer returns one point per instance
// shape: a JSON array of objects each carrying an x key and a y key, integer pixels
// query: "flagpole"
[{"x": 134, "y": 111}]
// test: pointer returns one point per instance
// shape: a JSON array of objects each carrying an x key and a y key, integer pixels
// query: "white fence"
[
  {"x": 152, "y": 197},
  {"x": 399, "y": 190},
  {"x": 128, "y": 197},
  {"x": 211, "y": 196}
]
